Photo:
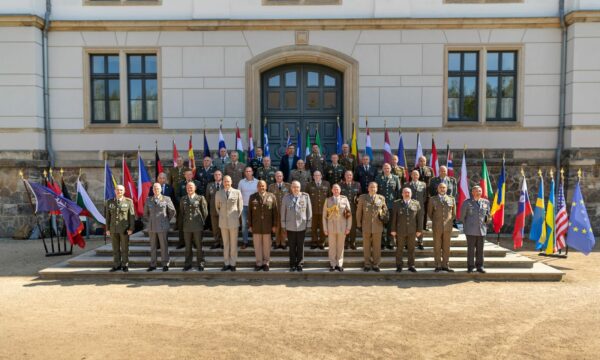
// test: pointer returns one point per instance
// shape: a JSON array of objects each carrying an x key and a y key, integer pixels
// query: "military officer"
[
  {"x": 315, "y": 161},
  {"x": 267, "y": 172},
  {"x": 165, "y": 188},
  {"x": 425, "y": 175},
  {"x": 398, "y": 170},
  {"x": 371, "y": 214},
  {"x": 347, "y": 159},
  {"x": 334, "y": 173},
  {"x": 194, "y": 213},
  {"x": 229, "y": 204},
  {"x": 318, "y": 190},
  {"x": 296, "y": 216},
  {"x": 211, "y": 191},
  {"x": 222, "y": 160},
  {"x": 337, "y": 222},
  {"x": 120, "y": 222},
  {"x": 176, "y": 174},
  {"x": 159, "y": 210},
  {"x": 235, "y": 169},
  {"x": 351, "y": 190},
  {"x": 419, "y": 192},
  {"x": 449, "y": 181},
  {"x": 279, "y": 189},
  {"x": 442, "y": 211},
  {"x": 300, "y": 174},
  {"x": 204, "y": 174},
  {"x": 257, "y": 162},
  {"x": 263, "y": 216},
  {"x": 389, "y": 186},
  {"x": 180, "y": 193},
  {"x": 406, "y": 226},
  {"x": 365, "y": 173},
  {"x": 475, "y": 215}
]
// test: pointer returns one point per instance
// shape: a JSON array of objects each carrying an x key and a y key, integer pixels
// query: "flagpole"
[
  {"x": 45, "y": 173},
  {"x": 37, "y": 220},
  {"x": 104, "y": 197}
]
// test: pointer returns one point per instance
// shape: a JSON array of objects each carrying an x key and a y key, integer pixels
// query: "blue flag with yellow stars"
[{"x": 580, "y": 235}]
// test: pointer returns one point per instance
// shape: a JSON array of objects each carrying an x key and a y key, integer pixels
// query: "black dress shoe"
[
  {"x": 331, "y": 269},
  {"x": 292, "y": 269},
  {"x": 437, "y": 269},
  {"x": 299, "y": 268},
  {"x": 353, "y": 247},
  {"x": 200, "y": 268},
  {"x": 412, "y": 269},
  {"x": 151, "y": 268},
  {"x": 481, "y": 270},
  {"x": 376, "y": 269},
  {"x": 336, "y": 267},
  {"x": 312, "y": 247},
  {"x": 180, "y": 247},
  {"x": 399, "y": 269},
  {"x": 420, "y": 247},
  {"x": 244, "y": 246},
  {"x": 125, "y": 269},
  {"x": 215, "y": 246},
  {"x": 225, "y": 268},
  {"x": 340, "y": 269},
  {"x": 232, "y": 268},
  {"x": 366, "y": 269},
  {"x": 187, "y": 268},
  {"x": 257, "y": 268},
  {"x": 321, "y": 247},
  {"x": 265, "y": 268},
  {"x": 113, "y": 269},
  {"x": 165, "y": 268},
  {"x": 447, "y": 269},
  {"x": 470, "y": 270}
]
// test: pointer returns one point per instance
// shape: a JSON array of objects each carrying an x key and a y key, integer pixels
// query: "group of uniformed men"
[{"x": 297, "y": 196}]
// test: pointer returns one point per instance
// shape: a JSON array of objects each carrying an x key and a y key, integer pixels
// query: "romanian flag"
[
  {"x": 354, "y": 142},
  {"x": 497, "y": 211},
  {"x": 538, "y": 230},
  {"x": 191, "y": 161},
  {"x": 550, "y": 226}
]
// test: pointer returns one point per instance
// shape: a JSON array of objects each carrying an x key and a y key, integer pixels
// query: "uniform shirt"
[
  {"x": 247, "y": 187},
  {"x": 334, "y": 173}
]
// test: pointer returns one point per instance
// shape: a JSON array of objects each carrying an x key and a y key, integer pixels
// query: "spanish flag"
[
  {"x": 497, "y": 211},
  {"x": 191, "y": 162},
  {"x": 354, "y": 142}
]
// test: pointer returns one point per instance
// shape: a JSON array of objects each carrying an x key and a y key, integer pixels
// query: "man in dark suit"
[
  {"x": 365, "y": 173},
  {"x": 167, "y": 190},
  {"x": 204, "y": 174},
  {"x": 288, "y": 162}
]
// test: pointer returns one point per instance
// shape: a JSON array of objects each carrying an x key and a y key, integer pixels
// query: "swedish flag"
[
  {"x": 538, "y": 230},
  {"x": 550, "y": 234},
  {"x": 580, "y": 235}
]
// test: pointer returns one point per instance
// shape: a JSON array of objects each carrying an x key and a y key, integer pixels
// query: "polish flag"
[{"x": 463, "y": 186}]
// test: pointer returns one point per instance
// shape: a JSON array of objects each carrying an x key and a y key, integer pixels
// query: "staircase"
[{"x": 501, "y": 264}]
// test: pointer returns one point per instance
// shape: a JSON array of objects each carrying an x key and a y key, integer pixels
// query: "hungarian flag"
[
  {"x": 159, "y": 168},
  {"x": 250, "y": 143},
  {"x": 175, "y": 154},
  {"x": 463, "y": 186},
  {"x": 354, "y": 142},
  {"x": 191, "y": 160},
  {"x": 485, "y": 183},
  {"x": 524, "y": 210},
  {"x": 368, "y": 147},
  {"x": 144, "y": 185},
  {"x": 497, "y": 211},
  {"x": 449, "y": 161},
  {"x": 84, "y": 201},
  {"x": 434, "y": 164},
  {"x": 387, "y": 149},
  {"x": 402, "y": 158},
  {"x": 130, "y": 189},
  {"x": 562, "y": 219},
  {"x": 239, "y": 147}
]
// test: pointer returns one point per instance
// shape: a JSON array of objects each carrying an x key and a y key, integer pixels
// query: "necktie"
[
  {"x": 218, "y": 187},
  {"x": 279, "y": 187},
  {"x": 227, "y": 193},
  {"x": 163, "y": 189}
]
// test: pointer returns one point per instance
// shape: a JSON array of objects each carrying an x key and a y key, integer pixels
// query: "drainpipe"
[
  {"x": 563, "y": 95},
  {"x": 47, "y": 129}
]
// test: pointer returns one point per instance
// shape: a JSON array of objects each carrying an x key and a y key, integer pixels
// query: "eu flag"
[{"x": 580, "y": 235}]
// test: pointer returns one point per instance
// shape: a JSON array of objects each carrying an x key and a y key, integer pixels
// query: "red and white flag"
[
  {"x": 175, "y": 154},
  {"x": 434, "y": 164},
  {"x": 449, "y": 161},
  {"x": 463, "y": 186},
  {"x": 387, "y": 149},
  {"x": 561, "y": 221},
  {"x": 130, "y": 189}
]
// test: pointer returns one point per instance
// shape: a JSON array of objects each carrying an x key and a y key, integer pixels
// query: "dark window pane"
[
  {"x": 507, "y": 108},
  {"x": 508, "y": 86},
  {"x": 508, "y": 61},
  {"x": 274, "y": 81},
  {"x": 328, "y": 80},
  {"x": 469, "y": 86},
  {"x": 115, "y": 110},
  {"x": 290, "y": 100},
  {"x": 453, "y": 108},
  {"x": 151, "y": 90},
  {"x": 135, "y": 89},
  {"x": 329, "y": 99},
  {"x": 453, "y": 87},
  {"x": 113, "y": 64},
  {"x": 273, "y": 100},
  {"x": 99, "y": 111},
  {"x": 98, "y": 64},
  {"x": 492, "y": 86},
  {"x": 136, "y": 110},
  {"x": 290, "y": 79},
  {"x": 492, "y": 61},
  {"x": 313, "y": 78},
  {"x": 312, "y": 99},
  {"x": 113, "y": 90},
  {"x": 135, "y": 64},
  {"x": 152, "y": 110},
  {"x": 454, "y": 61},
  {"x": 98, "y": 88},
  {"x": 470, "y": 62},
  {"x": 150, "y": 64}
]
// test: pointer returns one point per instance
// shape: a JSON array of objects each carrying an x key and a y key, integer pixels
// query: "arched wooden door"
[{"x": 304, "y": 98}]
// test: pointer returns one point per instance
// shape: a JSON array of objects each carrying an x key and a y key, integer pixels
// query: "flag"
[
  {"x": 538, "y": 230},
  {"x": 485, "y": 183},
  {"x": 299, "y": 144},
  {"x": 221, "y": 139},
  {"x": 110, "y": 184},
  {"x": 434, "y": 164},
  {"x": 497, "y": 211},
  {"x": 84, "y": 202},
  {"x": 368, "y": 147},
  {"x": 175, "y": 154},
  {"x": 419, "y": 150},
  {"x": 402, "y": 158},
  {"x": 580, "y": 235},
  {"x": 354, "y": 142},
  {"x": 339, "y": 141},
  {"x": 463, "y": 186},
  {"x": 449, "y": 161},
  {"x": 318, "y": 141},
  {"x": 191, "y": 159},
  {"x": 52, "y": 184},
  {"x": 250, "y": 144},
  {"x": 266, "y": 144},
  {"x": 130, "y": 189},
  {"x": 562, "y": 219},
  {"x": 239, "y": 147},
  {"x": 524, "y": 210},
  {"x": 144, "y": 186},
  {"x": 206, "y": 148},
  {"x": 48, "y": 201},
  {"x": 159, "y": 167},
  {"x": 63, "y": 189},
  {"x": 549, "y": 222},
  {"x": 307, "y": 150},
  {"x": 387, "y": 149}
]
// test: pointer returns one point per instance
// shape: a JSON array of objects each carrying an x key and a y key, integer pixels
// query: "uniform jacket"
[
  {"x": 205, "y": 176},
  {"x": 256, "y": 164},
  {"x": 436, "y": 181},
  {"x": 442, "y": 212},
  {"x": 229, "y": 209},
  {"x": 400, "y": 173},
  {"x": 364, "y": 176},
  {"x": 181, "y": 191},
  {"x": 368, "y": 212},
  {"x": 159, "y": 212},
  {"x": 220, "y": 163},
  {"x": 236, "y": 172},
  {"x": 406, "y": 219},
  {"x": 296, "y": 213},
  {"x": 267, "y": 174},
  {"x": 120, "y": 215},
  {"x": 302, "y": 176},
  {"x": 315, "y": 162},
  {"x": 419, "y": 191},
  {"x": 425, "y": 174},
  {"x": 389, "y": 187},
  {"x": 334, "y": 220},
  {"x": 167, "y": 191},
  {"x": 351, "y": 191},
  {"x": 475, "y": 215},
  {"x": 211, "y": 191},
  {"x": 349, "y": 162},
  {"x": 318, "y": 195},
  {"x": 284, "y": 167},
  {"x": 279, "y": 194},
  {"x": 194, "y": 211},
  {"x": 334, "y": 174},
  {"x": 176, "y": 176},
  {"x": 263, "y": 213}
]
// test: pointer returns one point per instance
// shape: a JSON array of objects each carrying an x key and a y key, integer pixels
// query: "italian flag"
[
  {"x": 84, "y": 201},
  {"x": 239, "y": 147}
]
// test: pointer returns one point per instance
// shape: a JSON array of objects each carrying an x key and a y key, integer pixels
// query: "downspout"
[
  {"x": 47, "y": 129},
  {"x": 563, "y": 94}
]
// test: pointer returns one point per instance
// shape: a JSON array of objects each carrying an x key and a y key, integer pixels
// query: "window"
[
  {"x": 142, "y": 88},
  {"x": 463, "y": 85},
  {"x": 302, "y": 2},
  {"x": 105, "y": 89},
  {"x": 501, "y": 88},
  {"x": 122, "y": 2}
]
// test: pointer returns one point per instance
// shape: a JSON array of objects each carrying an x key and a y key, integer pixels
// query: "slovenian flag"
[
  {"x": 524, "y": 210},
  {"x": 144, "y": 185},
  {"x": 221, "y": 139}
]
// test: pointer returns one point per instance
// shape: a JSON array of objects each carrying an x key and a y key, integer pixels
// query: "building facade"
[{"x": 85, "y": 80}]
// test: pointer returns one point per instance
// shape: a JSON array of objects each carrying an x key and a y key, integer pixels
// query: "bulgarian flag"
[
  {"x": 84, "y": 202},
  {"x": 463, "y": 186},
  {"x": 239, "y": 147}
]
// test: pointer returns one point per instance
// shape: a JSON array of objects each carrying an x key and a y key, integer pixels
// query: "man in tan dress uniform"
[
  {"x": 211, "y": 190},
  {"x": 407, "y": 217},
  {"x": 235, "y": 169},
  {"x": 263, "y": 217},
  {"x": 120, "y": 222},
  {"x": 279, "y": 189},
  {"x": 301, "y": 175},
  {"x": 442, "y": 211},
  {"x": 318, "y": 190},
  {"x": 337, "y": 222},
  {"x": 351, "y": 190},
  {"x": 229, "y": 204},
  {"x": 371, "y": 213}
]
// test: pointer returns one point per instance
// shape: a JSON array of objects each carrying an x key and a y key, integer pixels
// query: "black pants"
[
  {"x": 296, "y": 244},
  {"x": 474, "y": 250}
]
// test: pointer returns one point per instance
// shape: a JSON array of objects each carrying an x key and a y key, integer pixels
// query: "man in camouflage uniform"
[
  {"x": 351, "y": 190},
  {"x": 318, "y": 190},
  {"x": 334, "y": 173},
  {"x": 235, "y": 169},
  {"x": 301, "y": 175},
  {"x": 347, "y": 159},
  {"x": 388, "y": 185},
  {"x": 406, "y": 226},
  {"x": 267, "y": 172},
  {"x": 371, "y": 214},
  {"x": 315, "y": 161},
  {"x": 442, "y": 211},
  {"x": 279, "y": 189},
  {"x": 257, "y": 162},
  {"x": 120, "y": 222},
  {"x": 425, "y": 175},
  {"x": 398, "y": 170}
]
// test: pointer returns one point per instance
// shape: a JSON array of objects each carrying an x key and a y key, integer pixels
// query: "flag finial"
[
  {"x": 483, "y": 152},
  {"x": 465, "y": 147},
  {"x": 156, "y": 142},
  {"x": 79, "y": 172},
  {"x": 50, "y": 171},
  {"x": 21, "y": 174},
  {"x": 551, "y": 173},
  {"x": 562, "y": 174},
  {"x": 265, "y": 120},
  {"x": 540, "y": 172},
  {"x": 579, "y": 174},
  {"x": 61, "y": 172},
  {"x": 45, "y": 173},
  {"x": 522, "y": 172}
]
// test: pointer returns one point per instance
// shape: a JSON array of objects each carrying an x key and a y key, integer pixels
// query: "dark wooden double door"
[{"x": 304, "y": 98}]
